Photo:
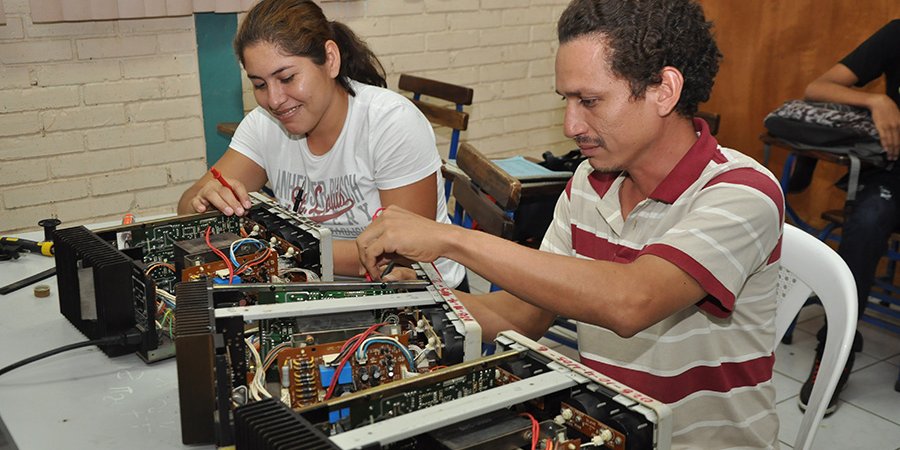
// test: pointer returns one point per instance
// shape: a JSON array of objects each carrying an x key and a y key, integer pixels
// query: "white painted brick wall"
[
  {"x": 44, "y": 193},
  {"x": 121, "y": 91},
  {"x": 70, "y": 74},
  {"x": 94, "y": 116},
  {"x": 14, "y": 77},
  {"x": 82, "y": 117},
  {"x": 13, "y": 100},
  {"x": 39, "y": 145},
  {"x": 12, "y": 124},
  {"x": 140, "y": 178},
  {"x": 180, "y": 129},
  {"x": 165, "y": 153},
  {"x": 98, "y": 119},
  {"x": 115, "y": 47},
  {"x": 87, "y": 163},
  {"x": 124, "y": 136}
]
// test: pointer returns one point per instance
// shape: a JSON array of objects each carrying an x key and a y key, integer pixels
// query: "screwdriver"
[{"x": 43, "y": 247}]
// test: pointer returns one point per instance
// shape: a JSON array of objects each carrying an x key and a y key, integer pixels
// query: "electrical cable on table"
[{"x": 131, "y": 337}]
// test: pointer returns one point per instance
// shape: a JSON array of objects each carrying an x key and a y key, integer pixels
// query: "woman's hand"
[{"x": 228, "y": 201}]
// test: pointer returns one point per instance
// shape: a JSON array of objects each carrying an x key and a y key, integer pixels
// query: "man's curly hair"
[{"x": 647, "y": 35}]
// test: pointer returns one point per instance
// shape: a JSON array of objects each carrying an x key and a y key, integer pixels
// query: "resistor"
[
  {"x": 303, "y": 390},
  {"x": 286, "y": 375}
]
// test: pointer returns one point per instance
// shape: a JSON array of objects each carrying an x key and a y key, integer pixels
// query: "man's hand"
[
  {"x": 220, "y": 197},
  {"x": 886, "y": 116},
  {"x": 399, "y": 274},
  {"x": 400, "y": 233}
]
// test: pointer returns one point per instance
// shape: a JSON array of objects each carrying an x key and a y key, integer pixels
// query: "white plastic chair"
[{"x": 809, "y": 265}]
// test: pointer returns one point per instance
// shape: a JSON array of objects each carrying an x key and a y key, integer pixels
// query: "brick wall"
[
  {"x": 503, "y": 49},
  {"x": 98, "y": 119}
]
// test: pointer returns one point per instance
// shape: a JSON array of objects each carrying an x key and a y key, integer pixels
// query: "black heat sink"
[
  {"x": 102, "y": 291},
  {"x": 194, "y": 354},
  {"x": 271, "y": 425}
]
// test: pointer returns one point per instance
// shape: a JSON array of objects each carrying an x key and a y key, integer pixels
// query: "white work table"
[{"x": 79, "y": 399}]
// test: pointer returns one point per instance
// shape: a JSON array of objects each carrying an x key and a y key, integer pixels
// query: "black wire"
[{"x": 125, "y": 338}]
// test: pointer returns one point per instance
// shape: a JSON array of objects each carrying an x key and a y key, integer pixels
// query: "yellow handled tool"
[{"x": 43, "y": 247}]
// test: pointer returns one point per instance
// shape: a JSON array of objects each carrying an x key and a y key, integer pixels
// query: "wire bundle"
[
  {"x": 221, "y": 255},
  {"x": 361, "y": 351},
  {"x": 347, "y": 350},
  {"x": 165, "y": 311},
  {"x": 535, "y": 430},
  {"x": 234, "y": 267}
]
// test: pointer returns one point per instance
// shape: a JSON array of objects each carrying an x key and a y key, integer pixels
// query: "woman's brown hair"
[{"x": 300, "y": 28}]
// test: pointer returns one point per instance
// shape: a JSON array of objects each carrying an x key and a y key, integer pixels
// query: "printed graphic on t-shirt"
[{"x": 337, "y": 203}]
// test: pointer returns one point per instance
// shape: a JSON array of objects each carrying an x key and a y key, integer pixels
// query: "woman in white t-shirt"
[{"x": 330, "y": 140}]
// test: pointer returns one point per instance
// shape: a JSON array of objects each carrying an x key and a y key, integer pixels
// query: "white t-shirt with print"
[{"x": 385, "y": 143}]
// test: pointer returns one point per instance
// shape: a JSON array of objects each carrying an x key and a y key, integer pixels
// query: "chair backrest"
[
  {"x": 455, "y": 118},
  {"x": 486, "y": 195},
  {"x": 500, "y": 202},
  {"x": 808, "y": 265}
]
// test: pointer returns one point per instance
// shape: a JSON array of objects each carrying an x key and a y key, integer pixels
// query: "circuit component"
[
  {"x": 309, "y": 343},
  {"x": 525, "y": 396},
  {"x": 269, "y": 244}
]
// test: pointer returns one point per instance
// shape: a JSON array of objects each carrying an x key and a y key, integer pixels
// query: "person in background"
[
  {"x": 331, "y": 141},
  {"x": 664, "y": 246},
  {"x": 876, "y": 213}
]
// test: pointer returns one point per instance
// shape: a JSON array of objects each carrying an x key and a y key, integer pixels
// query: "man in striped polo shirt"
[{"x": 664, "y": 246}]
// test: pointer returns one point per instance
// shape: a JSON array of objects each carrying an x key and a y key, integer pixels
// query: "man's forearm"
[{"x": 499, "y": 311}]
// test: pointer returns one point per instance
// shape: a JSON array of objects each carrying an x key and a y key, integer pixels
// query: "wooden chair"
[
  {"x": 490, "y": 199},
  {"x": 486, "y": 196},
  {"x": 454, "y": 118}
]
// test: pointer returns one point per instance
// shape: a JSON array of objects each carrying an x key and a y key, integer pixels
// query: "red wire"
[
  {"x": 259, "y": 260},
  {"x": 221, "y": 255},
  {"x": 535, "y": 430},
  {"x": 356, "y": 345}
]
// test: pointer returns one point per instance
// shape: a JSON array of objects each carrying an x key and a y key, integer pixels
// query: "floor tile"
[
  {"x": 810, "y": 312},
  {"x": 880, "y": 339},
  {"x": 872, "y": 389},
  {"x": 848, "y": 427},
  {"x": 785, "y": 388},
  {"x": 796, "y": 359},
  {"x": 878, "y": 342},
  {"x": 811, "y": 321}
]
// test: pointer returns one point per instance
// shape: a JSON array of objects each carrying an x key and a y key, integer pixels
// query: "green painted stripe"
[{"x": 220, "y": 78}]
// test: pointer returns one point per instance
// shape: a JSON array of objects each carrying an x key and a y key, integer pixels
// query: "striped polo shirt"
[{"x": 718, "y": 216}]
